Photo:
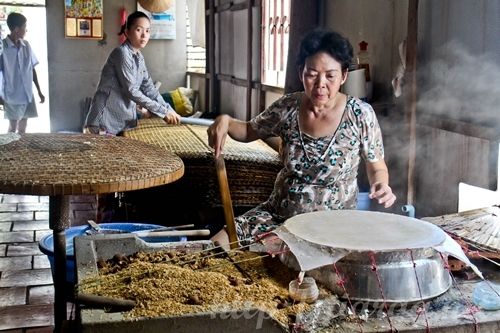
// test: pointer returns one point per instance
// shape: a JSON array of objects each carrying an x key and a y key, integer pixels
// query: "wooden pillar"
[
  {"x": 249, "y": 59},
  {"x": 210, "y": 86},
  {"x": 411, "y": 74}
]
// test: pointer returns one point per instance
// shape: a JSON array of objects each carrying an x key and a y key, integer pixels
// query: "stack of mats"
[
  {"x": 251, "y": 167},
  {"x": 478, "y": 227}
]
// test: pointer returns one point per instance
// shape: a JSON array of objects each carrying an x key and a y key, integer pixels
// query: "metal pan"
[{"x": 396, "y": 277}]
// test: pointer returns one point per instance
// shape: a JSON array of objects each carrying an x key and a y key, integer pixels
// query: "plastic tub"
[
  {"x": 46, "y": 244},
  {"x": 363, "y": 201}
]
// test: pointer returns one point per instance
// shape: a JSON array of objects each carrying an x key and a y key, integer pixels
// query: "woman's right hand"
[
  {"x": 172, "y": 118},
  {"x": 217, "y": 133}
]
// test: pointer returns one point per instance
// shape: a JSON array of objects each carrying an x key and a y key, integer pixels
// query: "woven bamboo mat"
[
  {"x": 64, "y": 164},
  {"x": 192, "y": 141},
  {"x": 480, "y": 227},
  {"x": 257, "y": 151},
  {"x": 251, "y": 167},
  {"x": 176, "y": 139}
]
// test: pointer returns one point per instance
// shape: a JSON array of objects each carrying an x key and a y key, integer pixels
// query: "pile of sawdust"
[{"x": 173, "y": 284}]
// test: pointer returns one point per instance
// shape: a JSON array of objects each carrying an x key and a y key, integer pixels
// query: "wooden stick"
[
  {"x": 101, "y": 302},
  {"x": 218, "y": 249},
  {"x": 175, "y": 227},
  {"x": 173, "y": 233},
  {"x": 227, "y": 204}
]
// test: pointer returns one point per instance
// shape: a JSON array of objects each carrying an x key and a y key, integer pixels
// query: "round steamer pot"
[
  {"x": 396, "y": 272},
  {"x": 378, "y": 265},
  {"x": 46, "y": 244}
]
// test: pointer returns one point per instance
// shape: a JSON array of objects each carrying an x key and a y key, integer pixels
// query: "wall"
[
  {"x": 380, "y": 23},
  {"x": 458, "y": 91},
  {"x": 459, "y": 95},
  {"x": 459, "y": 52},
  {"x": 75, "y": 65},
  {"x": 455, "y": 89},
  {"x": 231, "y": 58}
]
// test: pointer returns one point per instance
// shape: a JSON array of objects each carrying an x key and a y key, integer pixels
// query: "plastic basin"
[
  {"x": 46, "y": 244},
  {"x": 363, "y": 201}
]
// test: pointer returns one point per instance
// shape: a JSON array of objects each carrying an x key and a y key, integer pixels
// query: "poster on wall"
[
  {"x": 163, "y": 23},
  {"x": 83, "y": 19}
]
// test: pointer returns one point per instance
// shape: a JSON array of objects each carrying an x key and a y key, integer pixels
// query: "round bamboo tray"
[{"x": 69, "y": 164}]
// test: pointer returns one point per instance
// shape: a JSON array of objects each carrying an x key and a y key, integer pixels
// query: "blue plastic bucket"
[{"x": 46, "y": 244}]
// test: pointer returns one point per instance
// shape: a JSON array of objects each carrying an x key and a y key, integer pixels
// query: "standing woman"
[{"x": 125, "y": 84}]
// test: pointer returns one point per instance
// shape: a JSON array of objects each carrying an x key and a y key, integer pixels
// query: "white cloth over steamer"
[{"x": 322, "y": 238}]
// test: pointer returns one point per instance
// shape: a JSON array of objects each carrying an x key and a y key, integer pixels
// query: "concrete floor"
[{"x": 26, "y": 287}]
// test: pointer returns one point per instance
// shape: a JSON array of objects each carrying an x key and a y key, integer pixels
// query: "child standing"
[{"x": 17, "y": 64}]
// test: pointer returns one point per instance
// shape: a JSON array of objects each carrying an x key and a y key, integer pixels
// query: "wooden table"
[{"x": 59, "y": 165}]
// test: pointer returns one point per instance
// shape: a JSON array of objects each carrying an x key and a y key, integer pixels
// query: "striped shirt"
[{"x": 125, "y": 83}]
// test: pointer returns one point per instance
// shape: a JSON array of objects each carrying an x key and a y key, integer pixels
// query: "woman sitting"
[{"x": 324, "y": 134}]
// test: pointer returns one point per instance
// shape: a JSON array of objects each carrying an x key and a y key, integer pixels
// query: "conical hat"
[{"x": 155, "y": 6}]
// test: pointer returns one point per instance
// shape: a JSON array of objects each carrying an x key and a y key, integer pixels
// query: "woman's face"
[
  {"x": 322, "y": 77},
  {"x": 139, "y": 32}
]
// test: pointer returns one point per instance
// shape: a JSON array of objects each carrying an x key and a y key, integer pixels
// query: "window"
[{"x": 275, "y": 36}]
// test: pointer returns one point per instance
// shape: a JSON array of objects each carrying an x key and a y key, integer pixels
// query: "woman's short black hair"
[
  {"x": 331, "y": 42},
  {"x": 15, "y": 20},
  {"x": 131, "y": 20}
]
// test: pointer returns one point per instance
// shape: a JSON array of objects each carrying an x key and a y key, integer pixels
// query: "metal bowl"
[{"x": 395, "y": 277}]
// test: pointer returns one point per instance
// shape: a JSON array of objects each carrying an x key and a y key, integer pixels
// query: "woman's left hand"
[
  {"x": 172, "y": 118},
  {"x": 383, "y": 194},
  {"x": 144, "y": 113}
]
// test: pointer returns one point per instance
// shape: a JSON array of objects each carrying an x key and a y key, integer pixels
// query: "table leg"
[{"x": 59, "y": 222}]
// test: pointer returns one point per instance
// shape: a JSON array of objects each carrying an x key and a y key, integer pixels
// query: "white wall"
[{"x": 75, "y": 65}]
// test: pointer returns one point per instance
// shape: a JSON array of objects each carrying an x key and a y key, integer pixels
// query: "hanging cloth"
[{"x": 196, "y": 13}]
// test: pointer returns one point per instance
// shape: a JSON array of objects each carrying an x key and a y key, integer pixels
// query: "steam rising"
[{"x": 462, "y": 86}]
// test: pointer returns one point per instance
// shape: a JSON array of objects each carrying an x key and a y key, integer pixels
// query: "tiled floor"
[{"x": 26, "y": 287}]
